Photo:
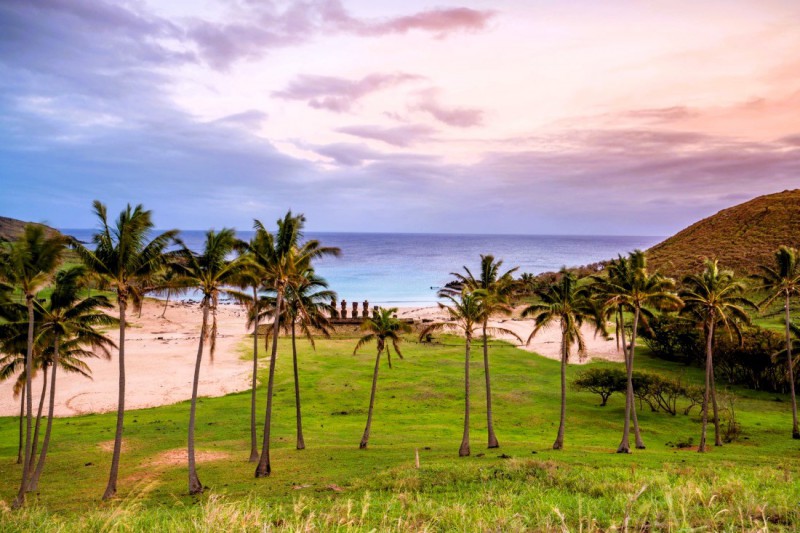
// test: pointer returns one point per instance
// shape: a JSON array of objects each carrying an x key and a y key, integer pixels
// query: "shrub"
[
  {"x": 674, "y": 338},
  {"x": 602, "y": 381}
]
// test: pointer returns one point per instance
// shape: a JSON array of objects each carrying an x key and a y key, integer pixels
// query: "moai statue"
[
  {"x": 375, "y": 311},
  {"x": 365, "y": 309},
  {"x": 344, "y": 308},
  {"x": 355, "y": 309},
  {"x": 334, "y": 312}
]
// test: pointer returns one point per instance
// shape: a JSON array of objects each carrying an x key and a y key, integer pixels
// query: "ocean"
[{"x": 407, "y": 269}]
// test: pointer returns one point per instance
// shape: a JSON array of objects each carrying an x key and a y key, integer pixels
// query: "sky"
[{"x": 619, "y": 117}]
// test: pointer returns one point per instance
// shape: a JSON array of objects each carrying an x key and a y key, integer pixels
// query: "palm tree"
[
  {"x": 283, "y": 258},
  {"x": 308, "y": 300},
  {"x": 208, "y": 272},
  {"x": 497, "y": 291},
  {"x": 28, "y": 263},
  {"x": 253, "y": 275},
  {"x": 68, "y": 324},
  {"x": 168, "y": 279},
  {"x": 466, "y": 311},
  {"x": 122, "y": 257},
  {"x": 380, "y": 328},
  {"x": 564, "y": 301},
  {"x": 782, "y": 279},
  {"x": 714, "y": 298},
  {"x": 630, "y": 287}
]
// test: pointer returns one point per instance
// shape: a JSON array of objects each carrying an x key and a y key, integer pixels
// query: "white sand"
[{"x": 160, "y": 355}]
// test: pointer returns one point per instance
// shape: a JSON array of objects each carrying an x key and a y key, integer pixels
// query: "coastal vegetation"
[{"x": 707, "y": 315}]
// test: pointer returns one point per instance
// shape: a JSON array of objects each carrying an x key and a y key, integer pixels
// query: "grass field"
[{"x": 750, "y": 484}]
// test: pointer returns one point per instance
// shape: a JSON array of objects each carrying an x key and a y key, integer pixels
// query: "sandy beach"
[{"x": 160, "y": 354}]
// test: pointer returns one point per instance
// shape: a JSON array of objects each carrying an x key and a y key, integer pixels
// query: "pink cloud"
[
  {"x": 438, "y": 21},
  {"x": 401, "y": 136},
  {"x": 339, "y": 94},
  {"x": 262, "y": 27},
  {"x": 460, "y": 117}
]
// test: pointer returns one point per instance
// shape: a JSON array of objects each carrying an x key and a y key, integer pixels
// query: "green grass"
[{"x": 749, "y": 484}]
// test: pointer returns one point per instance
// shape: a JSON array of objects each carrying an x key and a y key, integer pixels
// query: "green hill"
[{"x": 741, "y": 237}]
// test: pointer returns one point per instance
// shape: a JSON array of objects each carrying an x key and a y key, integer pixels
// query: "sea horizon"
[{"x": 407, "y": 269}]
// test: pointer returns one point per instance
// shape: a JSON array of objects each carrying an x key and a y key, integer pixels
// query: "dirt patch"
[
  {"x": 180, "y": 456},
  {"x": 108, "y": 446}
]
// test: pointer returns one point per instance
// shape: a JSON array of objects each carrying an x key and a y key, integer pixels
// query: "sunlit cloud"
[{"x": 572, "y": 117}]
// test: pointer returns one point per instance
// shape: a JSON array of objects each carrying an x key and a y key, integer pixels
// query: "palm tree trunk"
[
  {"x": 463, "y": 451},
  {"x": 21, "y": 424},
  {"x": 253, "y": 437},
  {"x": 34, "y": 484},
  {"x": 709, "y": 337},
  {"x": 795, "y": 429},
  {"x": 195, "y": 487},
  {"x": 489, "y": 416},
  {"x": 717, "y": 432},
  {"x": 559, "y": 443},
  {"x": 37, "y": 425},
  {"x": 365, "y": 437},
  {"x": 111, "y": 488},
  {"x": 166, "y": 303},
  {"x": 639, "y": 443},
  {"x": 264, "y": 467},
  {"x": 19, "y": 501},
  {"x": 624, "y": 445},
  {"x": 301, "y": 443}
]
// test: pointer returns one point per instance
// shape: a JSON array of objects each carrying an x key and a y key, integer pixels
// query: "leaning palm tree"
[
  {"x": 284, "y": 256},
  {"x": 28, "y": 264},
  {"x": 123, "y": 256},
  {"x": 565, "y": 302},
  {"x": 497, "y": 289},
  {"x": 782, "y": 280},
  {"x": 714, "y": 298},
  {"x": 208, "y": 272},
  {"x": 630, "y": 287},
  {"x": 466, "y": 311},
  {"x": 68, "y": 323},
  {"x": 382, "y": 327}
]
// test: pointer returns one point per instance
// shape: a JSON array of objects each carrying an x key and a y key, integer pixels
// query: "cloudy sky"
[{"x": 504, "y": 116}]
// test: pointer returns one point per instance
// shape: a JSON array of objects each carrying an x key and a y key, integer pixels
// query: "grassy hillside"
[
  {"x": 741, "y": 237},
  {"x": 332, "y": 485}
]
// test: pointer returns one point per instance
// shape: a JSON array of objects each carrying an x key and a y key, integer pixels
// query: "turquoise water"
[{"x": 407, "y": 269}]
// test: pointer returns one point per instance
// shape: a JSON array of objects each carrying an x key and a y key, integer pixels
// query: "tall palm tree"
[
  {"x": 630, "y": 287},
  {"x": 565, "y": 302},
  {"x": 714, "y": 298},
  {"x": 497, "y": 289},
  {"x": 380, "y": 328},
  {"x": 209, "y": 272},
  {"x": 782, "y": 280},
  {"x": 309, "y": 304},
  {"x": 253, "y": 275},
  {"x": 68, "y": 324},
  {"x": 466, "y": 311},
  {"x": 283, "y": 257},
  {"x": 123, "y": 256},
  {"x": 28, "y": 264}
]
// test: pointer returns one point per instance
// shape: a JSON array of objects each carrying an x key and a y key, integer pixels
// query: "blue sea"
[{"x": 407, "y": 269}]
